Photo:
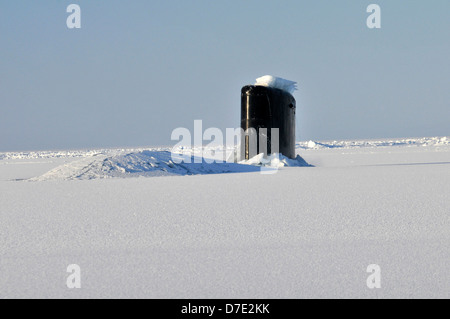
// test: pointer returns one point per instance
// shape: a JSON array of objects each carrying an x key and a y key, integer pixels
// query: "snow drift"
[{"x": 150, "y": 163}]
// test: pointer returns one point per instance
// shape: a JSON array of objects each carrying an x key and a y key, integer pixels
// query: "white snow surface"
[
  {"x": 278, "y": 83},
  {"x": 303, "y": 232}
]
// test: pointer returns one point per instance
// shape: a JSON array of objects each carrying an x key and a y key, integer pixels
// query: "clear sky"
[{"x": 138, "y": 69}]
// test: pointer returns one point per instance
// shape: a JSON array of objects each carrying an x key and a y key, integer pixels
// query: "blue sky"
[{"x": 136, "y": 70}]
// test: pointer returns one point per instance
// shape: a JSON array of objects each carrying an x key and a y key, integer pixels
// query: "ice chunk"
[
  {"x": 276, "y": 161},
  {"x": 278, "y": 83},
  {"x": 311, "y": 144}
]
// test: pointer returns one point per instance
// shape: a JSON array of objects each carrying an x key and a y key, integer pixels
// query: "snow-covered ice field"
[{"x": 140, "y": 226}]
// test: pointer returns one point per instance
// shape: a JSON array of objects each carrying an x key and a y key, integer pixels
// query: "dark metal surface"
[{"x": 264, "y": 107}]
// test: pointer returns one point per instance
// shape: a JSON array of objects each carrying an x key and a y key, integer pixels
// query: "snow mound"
[
  {"x": 153, "y": 163},
  {"x": 278, "y": 83}
]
